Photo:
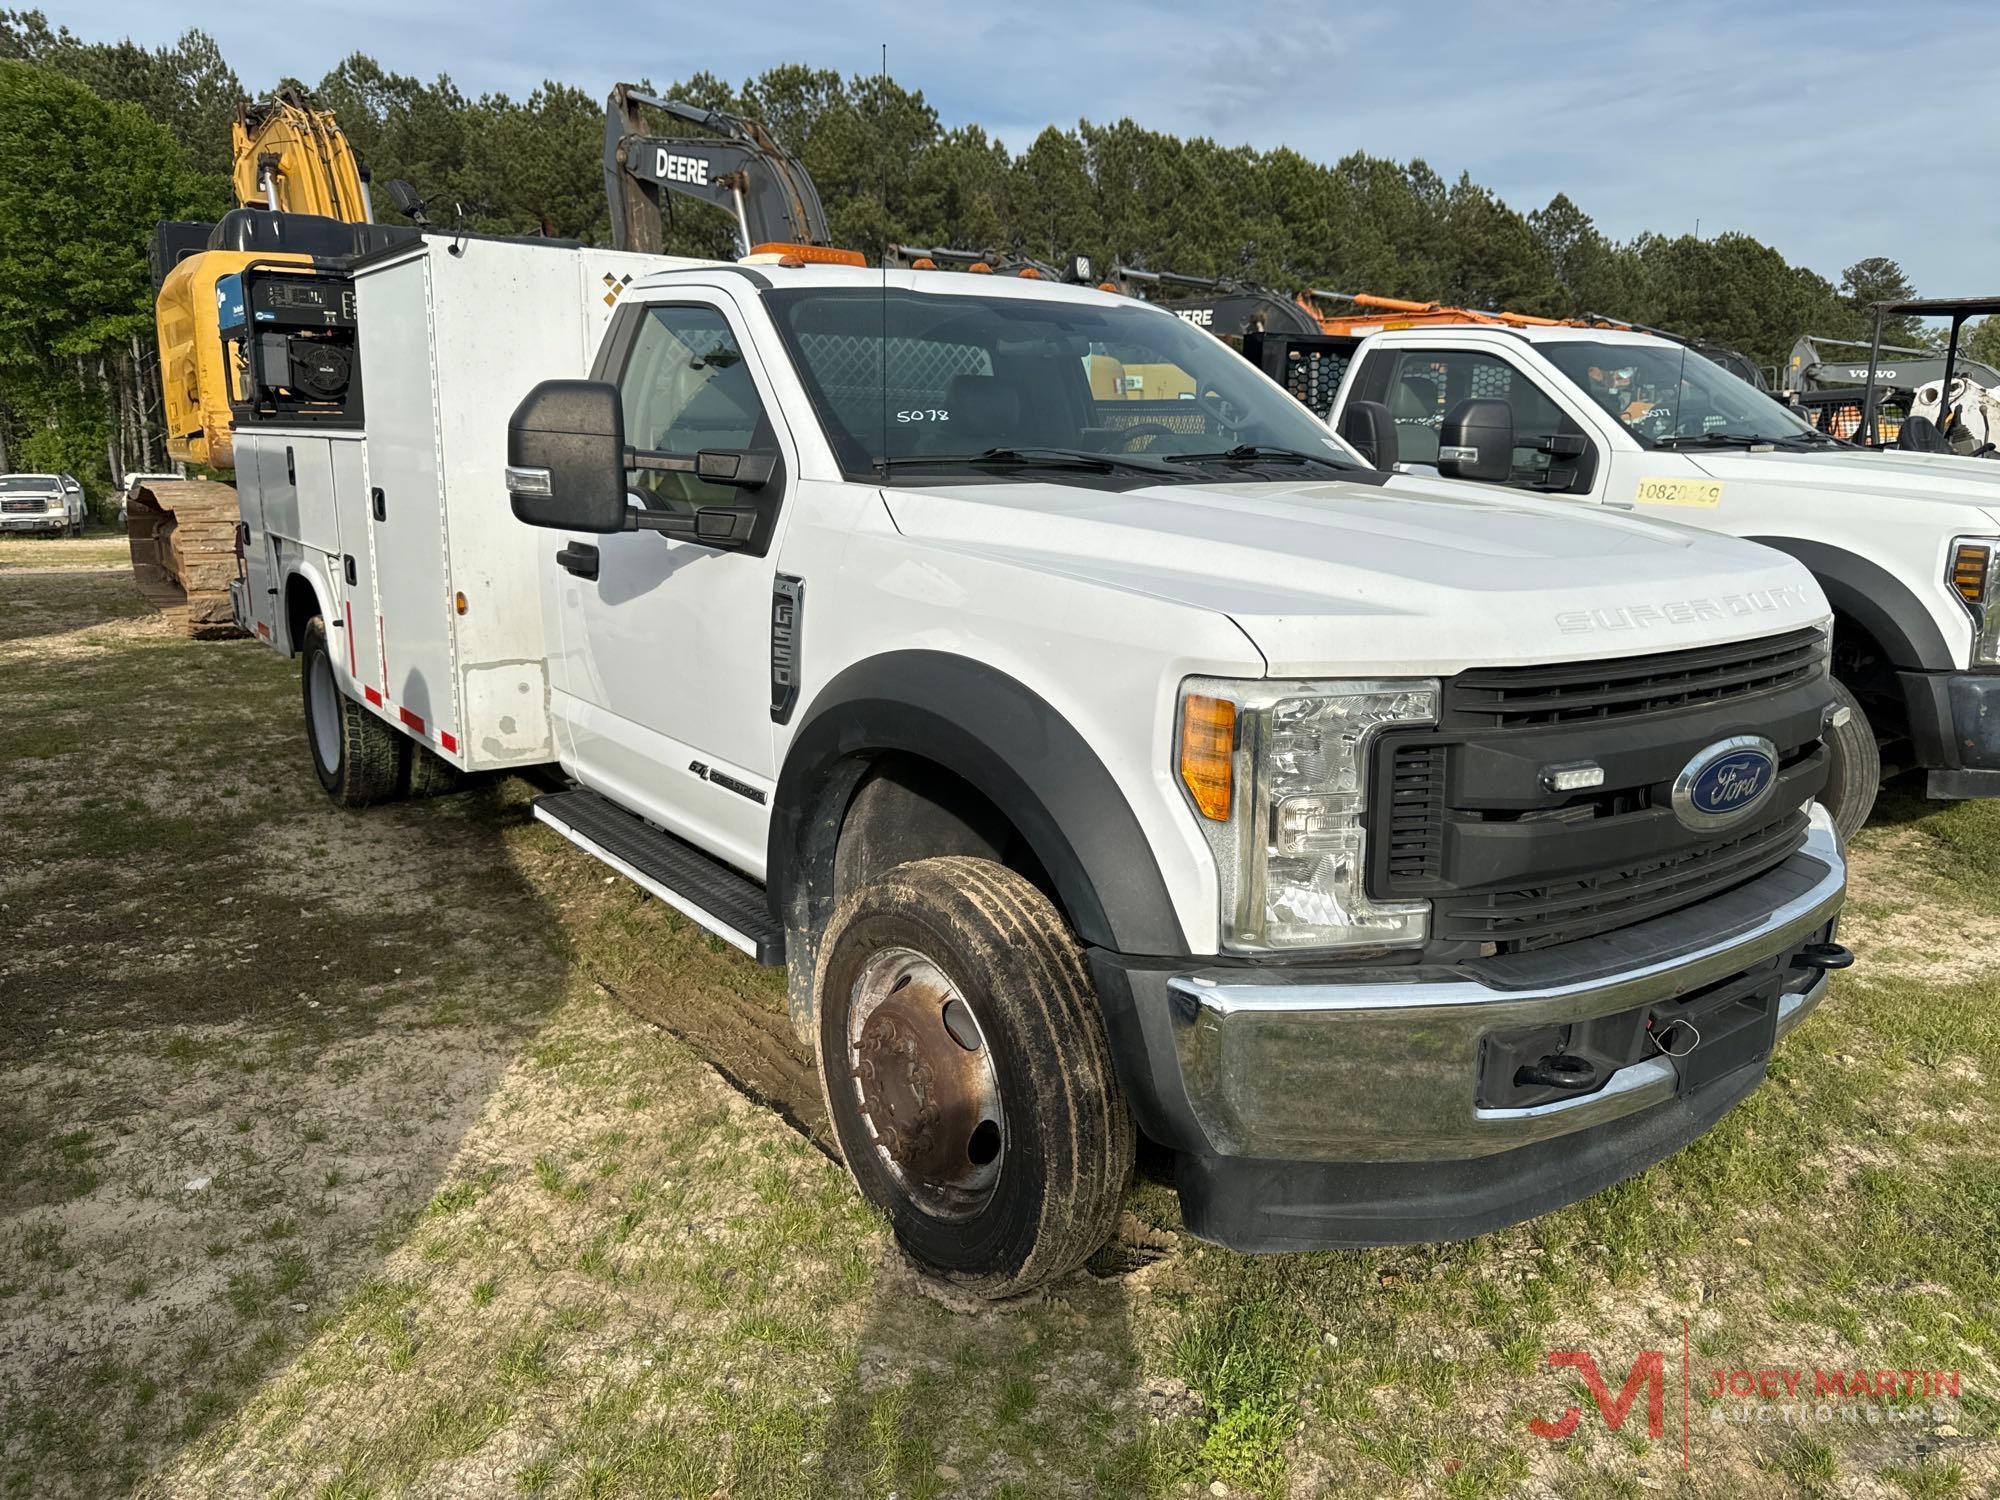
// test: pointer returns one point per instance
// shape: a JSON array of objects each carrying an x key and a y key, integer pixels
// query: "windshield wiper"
[
  {"x": 1714, "y": 440},
  {"x": 1260, "y": 453},
  {"x": 1022, "y": 458}
]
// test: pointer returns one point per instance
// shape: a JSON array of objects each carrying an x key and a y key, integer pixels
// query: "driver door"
[
  {"x": 1553, "y": 453},
  {"x": 663, "y": 697}
]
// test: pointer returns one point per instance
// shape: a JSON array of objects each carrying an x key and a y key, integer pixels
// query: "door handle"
[{"x": 579, "y": 558}]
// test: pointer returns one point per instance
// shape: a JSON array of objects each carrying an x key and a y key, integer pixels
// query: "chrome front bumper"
[{"x": 1382, "y": 1065}]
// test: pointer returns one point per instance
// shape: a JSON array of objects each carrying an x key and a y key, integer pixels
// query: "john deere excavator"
[{"x": 301, "y": 201}]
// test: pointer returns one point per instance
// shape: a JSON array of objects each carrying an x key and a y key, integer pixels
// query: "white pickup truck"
[
  {"x": 1906, "y": 545},
  {"x": 1093, "y": 763}
]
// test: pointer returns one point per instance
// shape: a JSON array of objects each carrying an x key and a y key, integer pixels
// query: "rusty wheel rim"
[{"x": 923, "y": 1075}]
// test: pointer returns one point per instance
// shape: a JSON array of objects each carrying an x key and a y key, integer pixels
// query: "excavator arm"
[
  {"x": 738, "y": 167},
  {"x": 292, "y": 158}
]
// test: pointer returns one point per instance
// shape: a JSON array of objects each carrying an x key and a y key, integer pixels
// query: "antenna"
[{"x": 882, "y": 161}]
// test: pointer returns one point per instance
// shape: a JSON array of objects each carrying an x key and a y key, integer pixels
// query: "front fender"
[
  {"x": 1874, "y": 598},
  {"x": 1005, "y": 740}
]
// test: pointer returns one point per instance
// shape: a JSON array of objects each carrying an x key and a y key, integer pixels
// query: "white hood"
[
  {"x": 1963, "y": 493},
  {"x": 1356, "y": 580}
]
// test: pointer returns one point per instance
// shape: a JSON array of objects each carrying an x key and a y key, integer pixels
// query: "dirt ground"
[{"x": 407, "y": 1152}]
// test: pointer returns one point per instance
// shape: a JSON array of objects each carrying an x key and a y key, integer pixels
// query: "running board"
[{"x": 697, "y": 885}]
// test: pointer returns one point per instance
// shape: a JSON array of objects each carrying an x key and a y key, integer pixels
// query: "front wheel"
[
  {"x": 967, "y": 1075},
  {"x": 1854, "y": 769},
  {"x": 359, "y": 759}
]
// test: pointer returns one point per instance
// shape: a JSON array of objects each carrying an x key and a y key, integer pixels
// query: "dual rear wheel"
[{"x": 358, "y": 758}]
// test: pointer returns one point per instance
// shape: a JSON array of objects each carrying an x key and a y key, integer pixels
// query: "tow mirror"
[
  {"x": 1477, "y": 441},
  {"x": 1370, "y": 430},
  {"x": 566, "y": 457}
]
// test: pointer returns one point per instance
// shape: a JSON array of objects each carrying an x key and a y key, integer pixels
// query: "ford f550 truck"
[
  {"x": 1095, "y": 764},
  {"x": 1905, "y": 545}
]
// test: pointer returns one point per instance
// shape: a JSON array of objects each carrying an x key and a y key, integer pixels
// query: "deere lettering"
[{"x": 671, "y": 168}]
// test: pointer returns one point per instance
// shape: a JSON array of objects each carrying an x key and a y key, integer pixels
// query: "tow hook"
[
  {"x": 1826, "y": 956},
  {"x": 1558, "y": 1070}
]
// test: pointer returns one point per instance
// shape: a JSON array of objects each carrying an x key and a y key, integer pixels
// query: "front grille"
[
  {"x": 25, "y": 507},
  {"x": 1543, "y": 916},
  {"x": 1415, "y": 822},
  {"x": 1576, "y": 692}
]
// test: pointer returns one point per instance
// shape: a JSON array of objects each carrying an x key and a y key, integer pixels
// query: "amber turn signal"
[
  {"x": 1208, "y": 738},
  {"x": 1968, "y": 572}
]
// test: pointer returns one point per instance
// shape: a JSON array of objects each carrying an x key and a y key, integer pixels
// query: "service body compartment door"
[
  {"x": 402, "y": 479},
  {"x": 354, "y": 571},
  {"x": 260, "y": 563}
]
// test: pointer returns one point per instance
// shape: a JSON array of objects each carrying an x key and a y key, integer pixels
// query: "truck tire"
[
  {"x": 967, "y": 1075},
  {"x": 1854, "y": 772},
  {"x": 359, "y": 759},
  {"x": 431, "y": 775}
]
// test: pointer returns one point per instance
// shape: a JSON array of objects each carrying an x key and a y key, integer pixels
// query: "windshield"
[
  {"x": 1666, "y": 395},
  {"x": 1033, "y": 382},
  {"x": 28, "y": 484}
]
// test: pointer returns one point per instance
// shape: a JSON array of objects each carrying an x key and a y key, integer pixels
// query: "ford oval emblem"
[{"x": 1726, "y": 782}]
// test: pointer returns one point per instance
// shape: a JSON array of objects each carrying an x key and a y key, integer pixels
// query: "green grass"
[{"x": 597, "y": 1271}]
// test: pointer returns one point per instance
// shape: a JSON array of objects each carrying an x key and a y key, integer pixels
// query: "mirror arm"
[
  {"x": 712, "y": 523},
  {"x": 743, "y": 471}
]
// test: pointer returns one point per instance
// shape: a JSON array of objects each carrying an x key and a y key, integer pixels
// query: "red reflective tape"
[
  {"x": 352, "y": 670},
  {"x": 449, "y": 741},
  {"x": 263, "y": 630},
  {"x": 372, "y": 696},
  {"x": 415, "y": 721}
]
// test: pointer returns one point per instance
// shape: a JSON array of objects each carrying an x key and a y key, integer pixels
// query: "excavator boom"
[{"x": 738, "y": 167}]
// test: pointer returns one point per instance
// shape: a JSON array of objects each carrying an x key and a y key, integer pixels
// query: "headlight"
[
  {"x": 1974, "y": 575},
  {"x": 1277, "y": 775}
]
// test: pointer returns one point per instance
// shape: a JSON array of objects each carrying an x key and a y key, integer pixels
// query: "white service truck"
[
  {"x": 1906, "y": 545},
  {"x": 1093, "y": 763}
]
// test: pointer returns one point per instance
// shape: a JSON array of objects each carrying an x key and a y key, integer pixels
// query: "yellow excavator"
[{"x": 301, "y": 203}]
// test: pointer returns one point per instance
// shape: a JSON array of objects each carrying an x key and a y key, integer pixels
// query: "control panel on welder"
[{"x": 290, "y": 335}]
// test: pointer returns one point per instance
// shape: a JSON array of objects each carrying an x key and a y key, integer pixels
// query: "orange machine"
[{"x": 1376, "y": 314}]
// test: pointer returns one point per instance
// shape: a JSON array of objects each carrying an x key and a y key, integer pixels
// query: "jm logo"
[{"x": 1648, "y": 1373}]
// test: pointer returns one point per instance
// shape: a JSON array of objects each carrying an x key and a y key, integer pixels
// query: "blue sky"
[{"x": 1832, "y": 130}]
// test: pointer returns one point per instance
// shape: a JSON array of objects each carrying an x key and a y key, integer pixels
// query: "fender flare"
[
  {"x": 1876, "y": 599},
  {"x": 1006, "y": 741}
]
